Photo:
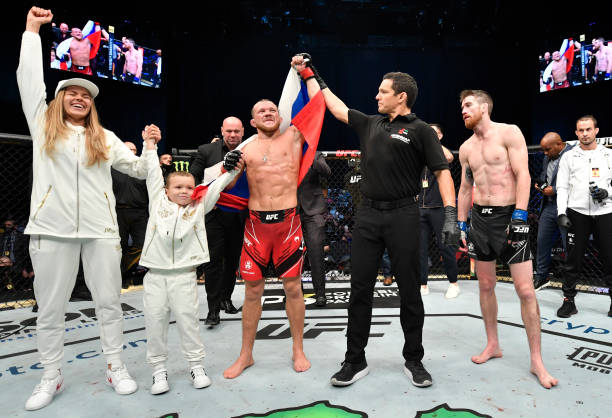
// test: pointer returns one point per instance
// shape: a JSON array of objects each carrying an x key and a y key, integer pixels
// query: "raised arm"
[
  {"x": 30, "y": 76},
  {"x": 124, "y": 161},
  {"x": 519, "y": 163},
  {"x": 447, "y": 154},
  {"x": 333, "y": 103}
]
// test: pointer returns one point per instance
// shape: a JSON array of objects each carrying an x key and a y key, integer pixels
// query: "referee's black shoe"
[
  {"x": 540, "y": 283},
  {"x": 350, "y": 373},
  {"x": 416, "y": 372},
  {"x": 228, "y": 307},
  {"x": 567, "y": 309}
]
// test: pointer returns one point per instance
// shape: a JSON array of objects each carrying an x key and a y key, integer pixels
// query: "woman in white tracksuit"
[
  {"x": 175, "y": 244},
  {"x": 72, "y": 212}
]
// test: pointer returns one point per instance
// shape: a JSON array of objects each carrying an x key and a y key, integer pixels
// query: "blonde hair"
[
  {"x": 178, "y": 174},
  {"x": 56, "y": 129}
]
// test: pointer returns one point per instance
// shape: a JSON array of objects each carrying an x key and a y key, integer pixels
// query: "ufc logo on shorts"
[
  {"x": 273, "y": 217},
  {"x": 521, "y": 229},
  {"x": 488, "y": 211}
]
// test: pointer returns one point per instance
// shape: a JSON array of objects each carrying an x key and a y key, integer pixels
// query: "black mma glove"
[
  {"x": 231, "y": 159},
  {"x": 518, "y": 229},
  {"x": 315, "y": 73},
  {"x": 564, "y": 221},
  {"x": 450, "y": 231},
  {"x": 598, "y": 194}
]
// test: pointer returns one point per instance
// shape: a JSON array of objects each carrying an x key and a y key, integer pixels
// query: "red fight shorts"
[
  {"x": 81, "y": 69},
  {"x": 272, "y": 237}
]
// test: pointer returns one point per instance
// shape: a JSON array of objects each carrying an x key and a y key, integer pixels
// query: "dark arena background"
[{"x": 219, "y": 58}]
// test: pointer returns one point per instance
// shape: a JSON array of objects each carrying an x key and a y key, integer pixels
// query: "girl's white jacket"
[
  {"x": 69, "y": 198},
  {"x": 176, "y": 235},
  {"x": 577, "y": 169}
]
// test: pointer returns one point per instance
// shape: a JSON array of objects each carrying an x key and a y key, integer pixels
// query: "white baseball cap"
[{"x": 81, "y": 82}]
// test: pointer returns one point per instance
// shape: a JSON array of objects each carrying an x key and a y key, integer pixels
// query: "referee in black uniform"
[{"x": 394, "y": 150}]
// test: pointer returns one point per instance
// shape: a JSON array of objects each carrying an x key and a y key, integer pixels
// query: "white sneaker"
[
  {"x": 120, "y": 380},
  {"x": 453, "y": 291},
  {"x": 44, "y": 392},
  {"x": 199, "y": 378},
  {"x": 160, "y": 382},
  {"x": 424, "y": 290}
]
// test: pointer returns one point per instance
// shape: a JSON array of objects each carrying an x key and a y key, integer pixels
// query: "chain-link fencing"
[{"x": 16, "y": 275}]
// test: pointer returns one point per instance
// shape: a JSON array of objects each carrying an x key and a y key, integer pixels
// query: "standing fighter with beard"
[
  {"x": 494, "y": 159},
  {"x": 273, "y": 232}
]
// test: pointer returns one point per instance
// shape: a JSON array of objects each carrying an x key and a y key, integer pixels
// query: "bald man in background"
[
  {"x": 553, "y": 148},
  {"x": 224, "y": 227}
]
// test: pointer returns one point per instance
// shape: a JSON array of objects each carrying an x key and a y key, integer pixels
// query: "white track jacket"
[
  {"x": 69, "y": 198},
  {"x": 577, "y": 169},
  {"x": 176, "y": 236}
]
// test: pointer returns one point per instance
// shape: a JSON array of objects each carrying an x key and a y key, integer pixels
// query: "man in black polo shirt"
[
  {"x": 394, "y": 149},
  {"x": 224, "y": 227}
]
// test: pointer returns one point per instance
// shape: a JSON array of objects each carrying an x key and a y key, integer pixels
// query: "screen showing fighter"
[
  {"x": 575, "y": 63},
  {"x": 90, "y": 48}
]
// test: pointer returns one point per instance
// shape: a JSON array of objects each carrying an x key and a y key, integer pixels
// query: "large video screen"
[
  {"x": 96, "y": 50},
  {"x": 577, "y": 61}
]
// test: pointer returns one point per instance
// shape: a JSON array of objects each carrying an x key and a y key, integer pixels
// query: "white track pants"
[
  {"x": 176, "y": 291},
  {"x": 56, "y": 264}
]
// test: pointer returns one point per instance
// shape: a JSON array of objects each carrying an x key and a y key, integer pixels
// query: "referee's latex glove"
[
  {"x": 450, "y": 231},
  {"x": 564, "y": 221}
]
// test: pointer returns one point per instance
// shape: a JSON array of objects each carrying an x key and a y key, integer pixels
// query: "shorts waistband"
[
  {"x": 389, "y": 204},
  {"x": 271, "y": 217},
  {"x": 81, "y": 67},
  {"x": 493, "y": 210}
]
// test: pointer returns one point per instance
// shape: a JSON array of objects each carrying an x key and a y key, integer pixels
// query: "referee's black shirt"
[{"x": 394, "y": 153}]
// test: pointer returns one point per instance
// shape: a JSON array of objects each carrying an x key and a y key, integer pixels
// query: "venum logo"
[
  {"x": 247, "y": 242},
  {"x": 248, "y": 265},
  {"x": 273, "y": 217},
  {"x": 596, "y": 361}
]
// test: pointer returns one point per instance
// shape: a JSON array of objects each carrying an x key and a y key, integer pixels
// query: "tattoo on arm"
[{"x": 469, "y": 176}]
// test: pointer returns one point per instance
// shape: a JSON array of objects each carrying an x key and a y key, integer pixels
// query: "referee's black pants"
[
  {"x": 398, "y": 231},
  {"x": 224, "y": 233},
  {"x": 578, "y": 238}
]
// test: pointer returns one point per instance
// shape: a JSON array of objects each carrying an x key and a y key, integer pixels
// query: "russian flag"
[
  {"x": 92, "y": 32},
  {"x": 295, "y": 108},
  {"x": 305, "y": 114},
  {"x": 567, "y": 50}
]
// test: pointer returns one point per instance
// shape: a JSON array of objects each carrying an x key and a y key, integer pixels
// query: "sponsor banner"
[{"x": 337, "y": 298}]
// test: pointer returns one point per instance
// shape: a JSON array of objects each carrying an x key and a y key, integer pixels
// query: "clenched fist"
[{"x": 37, "y": 17}]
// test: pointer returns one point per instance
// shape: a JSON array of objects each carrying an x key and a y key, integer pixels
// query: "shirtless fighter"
[
  {"x": 603, "y": 55},
  {"x": 273, "y": 232},
  {"x": 79, "y": 51},
  {"x": 132, "y": 69},
  {"x": 559, "y": 71},
  {"x": 494, "y": 159}
]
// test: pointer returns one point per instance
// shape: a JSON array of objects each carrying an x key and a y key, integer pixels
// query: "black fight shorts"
[{"x": 488, "y": 236}]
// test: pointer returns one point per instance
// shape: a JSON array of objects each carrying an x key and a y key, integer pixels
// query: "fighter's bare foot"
[
  {"x": 238, "y": 367},
  {"x": 544, "y": 377},
  {"x": 487, "y": 353},
  {"x": 300, "y": 362}
]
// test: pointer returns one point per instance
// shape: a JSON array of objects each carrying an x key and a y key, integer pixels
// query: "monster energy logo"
[{"x": 181, "y": 165}]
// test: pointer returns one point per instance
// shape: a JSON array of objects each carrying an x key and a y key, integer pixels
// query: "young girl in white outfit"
[
  {"x": 175, "y": 244},
  {"x": 72, "y": 212}
]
